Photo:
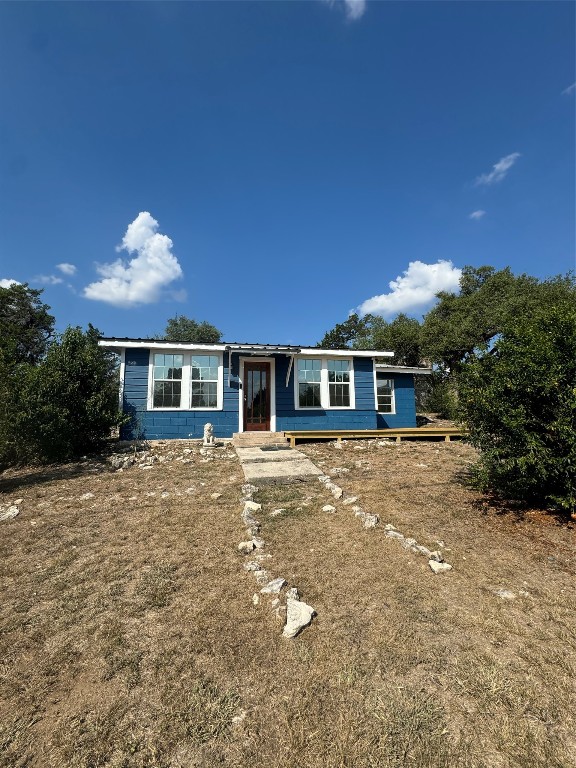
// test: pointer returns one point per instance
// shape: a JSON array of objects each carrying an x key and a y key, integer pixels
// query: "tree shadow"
[{"x": 28, "y": 478}]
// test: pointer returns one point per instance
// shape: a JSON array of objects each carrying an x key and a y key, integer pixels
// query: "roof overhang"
[
  {"x": 248, "y": 349},
  {"x": 384, "y": 368}
]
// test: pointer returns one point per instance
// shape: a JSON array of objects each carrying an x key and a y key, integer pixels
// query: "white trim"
[
  {"x": 252, "y": 359},
  {"x": 312, "y": 352},
  {"x": 157, "y": 345},
  {"x": 186, "y": 390},
  {"x": 325, "y": 388},
  {"x": 122, "y": 376},
  {"x": 402, "y": 369},
  {"x": 246, "y": 348},
  {"x": 384, "y": 413}
]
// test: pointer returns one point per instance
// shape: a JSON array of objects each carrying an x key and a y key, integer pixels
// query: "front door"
[{"x": 257, "y": 397}]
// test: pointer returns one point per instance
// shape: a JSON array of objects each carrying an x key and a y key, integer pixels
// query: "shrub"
[{"x": 519, "y": 403}]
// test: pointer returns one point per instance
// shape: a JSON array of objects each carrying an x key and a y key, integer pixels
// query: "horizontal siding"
[
  {"x": 190, "y": 424},
  {"x": 405, "y": 415}
]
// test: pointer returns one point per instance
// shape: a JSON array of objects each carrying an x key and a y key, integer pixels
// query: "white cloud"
[
  {"x": 6, "y": 282},
  {"x": 48, "y": 279},
  {"x": 141, "y": 279},
  {"x": 499, "y": 170},
  {"x": 67, "y": 269},
  {"x": 414, "y": 289},
  {"x": 569, "y": 90},
  {"x": 477, "y": 215},
  {"x": 355, "y": 9}
]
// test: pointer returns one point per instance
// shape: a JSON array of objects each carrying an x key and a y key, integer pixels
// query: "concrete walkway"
[{"x": 269, "y": 465}]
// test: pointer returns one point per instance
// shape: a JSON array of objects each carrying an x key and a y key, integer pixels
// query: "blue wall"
[
  {"x": 405, "y": 415},
  {"x": 156, "y": 425},
  {"x": 362, "y": 417},
  {"x": 190, "y": 424}
]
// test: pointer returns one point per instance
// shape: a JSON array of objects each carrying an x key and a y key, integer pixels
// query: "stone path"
[{"x": 265, "y": 466}]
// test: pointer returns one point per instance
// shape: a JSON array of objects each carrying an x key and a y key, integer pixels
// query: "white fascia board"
[
  {"x": 314, "y": 352},
  {"x": 402, "y": 369},
  {"x": 122, "y": 344}
]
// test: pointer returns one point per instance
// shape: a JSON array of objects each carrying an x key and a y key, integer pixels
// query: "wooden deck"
[{"x": 349, "y": 434}]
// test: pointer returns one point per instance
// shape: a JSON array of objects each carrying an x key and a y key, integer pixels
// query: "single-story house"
[{"x": 173, "y": 389}]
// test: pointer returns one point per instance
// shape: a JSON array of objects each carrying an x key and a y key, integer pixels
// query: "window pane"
[
  {"x": 167, "y": 394},
  {"x": 339, "y": 395},
  {"x": 309, "y": 370},
  {"x": 338, "y": 370},
  {"x": 309, "y": 395},
  {"x": 204, "y": 394},
  {"x": 385, "y": 391},
  {"x": 168, "y": 367},
  {"x": 205, "y": 368}
]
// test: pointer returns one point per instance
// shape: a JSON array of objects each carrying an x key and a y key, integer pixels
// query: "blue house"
[{"x": 172, "y": 389}]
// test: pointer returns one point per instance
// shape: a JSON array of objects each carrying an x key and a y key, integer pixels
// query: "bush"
[
  {"x": 65, "y": 406},
  {"x": 440, "y": 396},
  {"x": 519, "y": 403}
]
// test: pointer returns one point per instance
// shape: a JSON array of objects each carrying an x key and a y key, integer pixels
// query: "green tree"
[
  {"x": 401, "y": 336},
  {"x": 519, "y": 402},
  {"x": 25, "y": 323},
  {"x": 65, "y": 406},
  {"x": 182, "y": 328}
]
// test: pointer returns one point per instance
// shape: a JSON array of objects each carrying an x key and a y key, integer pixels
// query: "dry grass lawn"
[{"x": 128, "y": 636}]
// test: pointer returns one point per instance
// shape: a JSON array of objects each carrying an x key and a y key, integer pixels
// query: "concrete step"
[{"x": 251, "y": 439}]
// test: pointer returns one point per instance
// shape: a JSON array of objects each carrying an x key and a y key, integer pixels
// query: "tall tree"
[
  {"x": 401, "y": 336},
  {"x": 25, "y": 323},
  {"x": 519, "y": 401},
  {"x": 182, "y": 328}
]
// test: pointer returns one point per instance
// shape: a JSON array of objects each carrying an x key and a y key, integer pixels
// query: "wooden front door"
[{"x": 256, "y": 397}]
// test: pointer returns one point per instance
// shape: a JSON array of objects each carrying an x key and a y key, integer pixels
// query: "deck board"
[{"x": 402, "y": 432}]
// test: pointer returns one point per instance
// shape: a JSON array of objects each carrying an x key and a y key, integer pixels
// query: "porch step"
[{"x": 251, "y": 439}]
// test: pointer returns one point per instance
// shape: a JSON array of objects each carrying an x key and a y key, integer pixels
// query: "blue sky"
[{"x": 269, "y": 166}]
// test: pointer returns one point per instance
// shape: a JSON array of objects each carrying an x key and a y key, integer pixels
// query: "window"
[
  {"x": 324, "y": 383},
  {"x": 187, "y": 381},
  {"x": 309, "y": 383},
  {"x": 205, "y": 381},
  {"x": 339, "y": 383},
  {"x": 384, "y": 394},
  {"x": 167, "y": 381}
]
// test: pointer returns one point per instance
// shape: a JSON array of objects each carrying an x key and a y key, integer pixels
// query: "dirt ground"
[{"x": 129, "y": 637}]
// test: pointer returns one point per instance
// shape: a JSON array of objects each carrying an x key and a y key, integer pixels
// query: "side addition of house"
[{"x": 172, "y": 389}]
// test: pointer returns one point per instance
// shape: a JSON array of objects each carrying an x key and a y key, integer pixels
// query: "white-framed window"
[
  {"x": 185, "y": 382},
  {"x": 204, "y": 381},
  {"x": 385, "y": 394},
  {"x": 323, "y": 383},
  {"x": 167, "y": 378}
]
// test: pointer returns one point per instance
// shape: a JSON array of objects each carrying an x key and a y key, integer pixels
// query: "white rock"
[
  {"x": 505, "y": 594},
  {"x": 408, "y": 542},
  {"x": 246, "y": 547},
  {"x": 328, "y": 508},
  {"x": 437, "y": 556},
  {"x": 273, "y": 587},
  {"x": 215, "y": 495},
  {"x": 10, "y": 513},
  {"x": 418, "y": 549},
  {"x": 350, "y": 500},
  {"x": 298, "y": 616},
  {"x": 255, "y": 598},
  {"x": 87, "y": 495},
  {"x": 439, "y": 567},
  {"x": 258, "y": 543},
  {"x": 164, "y": 494},
  {"x": 252, "y": 565},
  {"x": 292, "y": 594},
  {"x": 394, "y": 535},
  {"x": 371, "y": 521},
  {"x": 390, "y": 527},
  {"x": 251, "y": 506},
  {"x": 277, "y": 513},
  {"x": 17, "y": 502},
  {"x": 262, "y": 577}
]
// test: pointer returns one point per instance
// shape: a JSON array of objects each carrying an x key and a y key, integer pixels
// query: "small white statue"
[{"x": 208, "y": 436}]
